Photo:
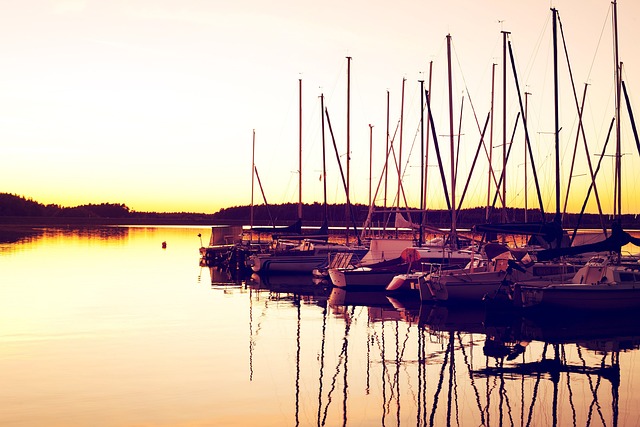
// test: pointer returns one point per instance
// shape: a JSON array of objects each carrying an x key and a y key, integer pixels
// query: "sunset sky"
[{"x": 153, "y": 103}]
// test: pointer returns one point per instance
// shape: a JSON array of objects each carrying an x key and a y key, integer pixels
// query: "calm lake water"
[{"x": 104, "y": 327}]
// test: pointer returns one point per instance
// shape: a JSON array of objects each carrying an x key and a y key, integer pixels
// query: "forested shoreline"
[{"x": 20, "y": 210}]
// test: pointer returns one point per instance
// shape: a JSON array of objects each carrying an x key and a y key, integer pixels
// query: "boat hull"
[
  {"x": 581, "y": 296},
  {"x": 286, "y": 263},
  {"x": 362, "y": 278},
  {"x": 482, "y": 285}
]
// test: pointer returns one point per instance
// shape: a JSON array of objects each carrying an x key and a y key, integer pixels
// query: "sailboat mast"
[
  {"x": 253, "y": 176},
  {"x": 451, "y": 142},
  {"x": 386, "y": 157},
  {"x": 348, "y": 124},
  {"x": 618, "y": 69},
  {"x": 324, "y": 159},
  {"x": 300, "y": 151},
  {"x": 422, "y": 174},
  {"x": 556, "y": 113},
  {"x": 348, "y": 189},
  {"x": 400, "y": 148},
  {"x": 504, "y": 125},
  {"x": 370, "y": 160},
  {"x": 493, "y": 81},
  {"x": 426, "y": 155},
  {"x": 526, "y": 198}
]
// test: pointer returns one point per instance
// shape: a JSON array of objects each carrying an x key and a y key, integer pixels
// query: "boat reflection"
[
  {"x": 222, "y": 277},
  {"x": 385, "y": 360},
  {"x": 300, "y": 284}
]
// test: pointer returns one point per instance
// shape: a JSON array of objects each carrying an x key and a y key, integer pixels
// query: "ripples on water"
[{"x": 104, "y": 327}]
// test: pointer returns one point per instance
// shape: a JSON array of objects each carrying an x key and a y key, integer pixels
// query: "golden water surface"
[{"x": 102, "y": 326}]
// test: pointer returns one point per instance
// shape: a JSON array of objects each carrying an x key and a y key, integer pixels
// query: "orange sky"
[{"x": 153, "y": 103}]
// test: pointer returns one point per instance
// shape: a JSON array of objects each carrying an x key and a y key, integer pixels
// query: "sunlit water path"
[{"x": 104, "y": 327}]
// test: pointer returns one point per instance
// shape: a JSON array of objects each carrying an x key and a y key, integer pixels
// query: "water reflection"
[
  {"x": 15, "y": 234},
  {"x": 24, "y": 234},
  {"x": 122, "y": 326},
  {"x": 430, "y": 365}
]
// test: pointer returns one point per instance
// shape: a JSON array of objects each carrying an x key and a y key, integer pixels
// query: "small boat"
[
  {"x": 377, "y": 276},
  {"x": 479, "y": 281},
  {"x": 601, "y": 284},
  {"x": 302, "y": 257}
]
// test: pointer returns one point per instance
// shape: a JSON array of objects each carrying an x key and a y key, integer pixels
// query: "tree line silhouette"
[{"x": 284, "y": 214}]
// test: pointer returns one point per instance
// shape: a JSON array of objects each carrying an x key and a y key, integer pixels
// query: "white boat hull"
[
  {"x": 285, "y": 263},
  {"x": 361, "y": 278},
  {"x": 582, "y": 296}
]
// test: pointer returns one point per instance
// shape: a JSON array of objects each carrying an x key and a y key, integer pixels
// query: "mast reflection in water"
[
  {"x": 156, "y": 339},
  {"x": 461, "y": 365}
]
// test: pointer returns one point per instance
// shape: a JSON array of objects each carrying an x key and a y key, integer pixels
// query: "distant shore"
[{"x": 70, "y": 221}]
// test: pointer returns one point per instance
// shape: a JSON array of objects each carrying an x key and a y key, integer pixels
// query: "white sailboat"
[
  {"x": 487, "y": 278},
  {"x": 601, "y": 284},
  {"x": 604, "y": 283}
]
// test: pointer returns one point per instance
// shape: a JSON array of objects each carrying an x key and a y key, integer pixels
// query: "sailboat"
[
  {"x": 294, "y": 252},
  {"x": 389, "y": 257},
  {"x": 604, "y": 282},
  {"x": 489, "y": 277},
  {"x": 507, "y": 268}
]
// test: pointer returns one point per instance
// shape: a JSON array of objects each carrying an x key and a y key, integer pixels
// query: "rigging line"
[
  {"x": 526, "y": 131},
  {"x": 455, "y": 174},
  {"x": 397, "y": 373},
  {"x": 502, "y": 174},
  {"x": 437, "y": 149},
  {"x": 394, "y": 382},
  {"x": 615, "y": 399},
  {"x": 522, "y": 388},
  {"x": 537, "y": 47},
  {"x": 338, "y": 77},
  {"x": 452, "y": 372},
  {"x": 490, "y": 389},
  {"x": 438, "y": 389},
  {"x": 368, "y": 382},
  {"x": 473, "y": 164},
  {"x": 251, "y": 340},
  {"x": 423, "y": 351},
  {"x": 350, "y": 206},
  {"x": 472, "y": 381},
  {"x": 346, "y": 376},
  {"x": 413, "y": 393},
  {"x": 594, "y": 391},
  {"x": 380, "y": 340},
  {"x": 584, "y": 204},
  {"x": 455, "y": 395},
  {"x": 502, "y": 394},
  {"x": 536, "y": 386},
  {"x": 298, "y": 351},
  {"x": 580, "y": 128},
  {"x": 413, "y": 143},
  {"x": 571, "y": 403},
  {"x": 385, "y": 168},
  {"x": 475, "y": 116},
  {"x": 508, "y": 403},
  {"x": 383, "y": 372},
  {"x": 605, "y": 24},
  {"x": 322, "y": 349},
  {"x": 341, "y": 357}
]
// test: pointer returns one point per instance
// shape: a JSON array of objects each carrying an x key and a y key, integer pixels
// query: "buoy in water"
[{"x": 164, "y": 245}]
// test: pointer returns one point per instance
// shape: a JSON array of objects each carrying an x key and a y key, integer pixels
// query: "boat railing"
[
  {"x": 340, "y": 259},
  {"x": 427, "y": 268}
]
